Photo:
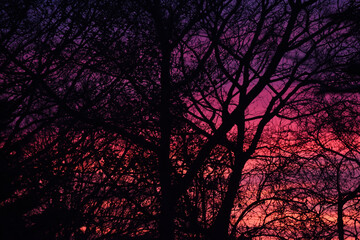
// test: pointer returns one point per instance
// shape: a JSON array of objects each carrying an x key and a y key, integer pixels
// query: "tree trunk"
[
  {"x": 166, "y": 221},
  {"x": 219, "y": 229},
  {"x": 340, "y": 221},
  {"x": 167, "y": 208}
]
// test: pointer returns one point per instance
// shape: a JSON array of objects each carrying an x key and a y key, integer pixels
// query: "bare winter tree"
[
  {"x": 269, "y": 55},
  {"x": 171, "y": 119}
]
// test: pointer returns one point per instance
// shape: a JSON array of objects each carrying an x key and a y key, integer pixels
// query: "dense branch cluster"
[{"x": 180, "y": 119}]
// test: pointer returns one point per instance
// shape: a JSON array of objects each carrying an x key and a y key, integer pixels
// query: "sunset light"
[{"x": 180, "y": 119}]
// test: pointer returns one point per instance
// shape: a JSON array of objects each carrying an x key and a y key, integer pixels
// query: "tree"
[
  {"x": 147, "y": 118},
  {"x": 332, "y": 136},
  {"x": 272, "y": 58}
]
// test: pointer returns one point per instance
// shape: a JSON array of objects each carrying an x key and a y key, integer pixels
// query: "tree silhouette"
[
  {"x": 333, "y": 135},
  {"x": 178, "y": 119}
]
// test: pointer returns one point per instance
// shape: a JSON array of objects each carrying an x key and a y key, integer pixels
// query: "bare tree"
[
  {"x": 333, "y": 136},
  {"x": 165, "y": 119}
]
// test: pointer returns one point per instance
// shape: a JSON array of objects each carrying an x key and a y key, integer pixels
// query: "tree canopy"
[{"x": 180, "y": 119}]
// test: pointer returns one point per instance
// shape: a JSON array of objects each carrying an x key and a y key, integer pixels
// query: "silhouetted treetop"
[{"x": 179, "y": 119}]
